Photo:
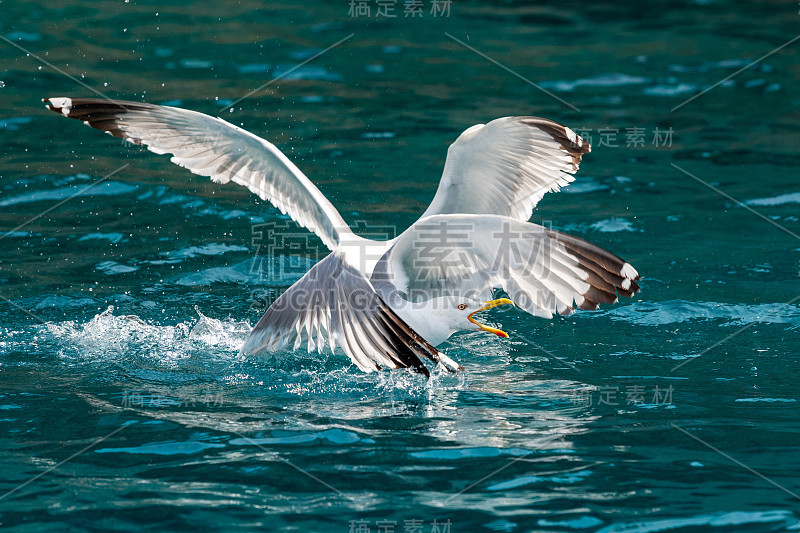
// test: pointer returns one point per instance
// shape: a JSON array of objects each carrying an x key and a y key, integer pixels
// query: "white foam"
[
  {"x": 670, "y": 90},
  {"x": 602, "y": 80},
  {"x": 109, "y": 335},
  {"x": 792, "y": 197},
  {"x": 613, "y": 225}
]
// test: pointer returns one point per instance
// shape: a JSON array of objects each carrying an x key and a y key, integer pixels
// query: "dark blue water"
[{"x": 124, "y": 405}]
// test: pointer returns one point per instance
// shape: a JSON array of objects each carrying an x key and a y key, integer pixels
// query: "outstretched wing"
[
  {"x": 506, "y": 166},
  {"x": 335, "y": 304},
  {"x": 543, "y": 271},
  {"x": 211, "y": 147}
]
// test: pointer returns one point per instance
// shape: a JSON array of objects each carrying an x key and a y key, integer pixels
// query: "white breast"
[{"x": 425, "y": 319}]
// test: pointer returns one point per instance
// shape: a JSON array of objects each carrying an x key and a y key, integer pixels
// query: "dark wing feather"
[
  {"x": 543, "y": 271},
  {"x": 334, "y": 304}
]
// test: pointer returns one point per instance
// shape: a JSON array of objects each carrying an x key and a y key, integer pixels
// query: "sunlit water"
[{"x": 123, "y": 307}]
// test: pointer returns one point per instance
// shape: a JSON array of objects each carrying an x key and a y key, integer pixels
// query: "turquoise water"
[{"x": 124, "y": 405}]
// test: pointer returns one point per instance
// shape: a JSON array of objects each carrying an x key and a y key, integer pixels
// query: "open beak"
[{"x": 489, "y": 305}]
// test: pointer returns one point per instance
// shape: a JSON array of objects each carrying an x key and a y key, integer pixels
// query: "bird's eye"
[{"x": 462, "y": 306}]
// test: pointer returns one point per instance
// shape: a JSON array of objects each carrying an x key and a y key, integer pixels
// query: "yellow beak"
[{"x": 489, "y": 305}]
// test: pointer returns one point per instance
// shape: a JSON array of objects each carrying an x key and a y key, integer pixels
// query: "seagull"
[{"x": 388, "y": 304}]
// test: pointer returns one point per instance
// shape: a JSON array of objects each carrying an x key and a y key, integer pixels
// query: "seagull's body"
[{"x": 389, "y": 303}]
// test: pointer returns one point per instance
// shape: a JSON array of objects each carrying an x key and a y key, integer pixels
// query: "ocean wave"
[
  {"x": 789, "y": 198},
  {"x": 113, "y": 238},
  {"x": 13, "y": 124},
  {"x": 729, "y": 519},
  {"x": 725, "y": 64},
  {"x": 675, "y": 311},
  {"x": 601, "y": 80},
  {"x": 306, "y": 72},
  {"x": 108, "y": 188},
  {"x": 677, "y": 89},
  {"x": 207, "y": 249},
  {"x": 208, "y": 350},
  {"x": 585, "y": 185}
]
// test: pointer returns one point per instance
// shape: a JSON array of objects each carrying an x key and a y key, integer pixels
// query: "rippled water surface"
[{"x": 124, "y": 404}]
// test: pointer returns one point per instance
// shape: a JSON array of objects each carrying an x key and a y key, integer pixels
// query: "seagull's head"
[{"x": 468, "y": 309}]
